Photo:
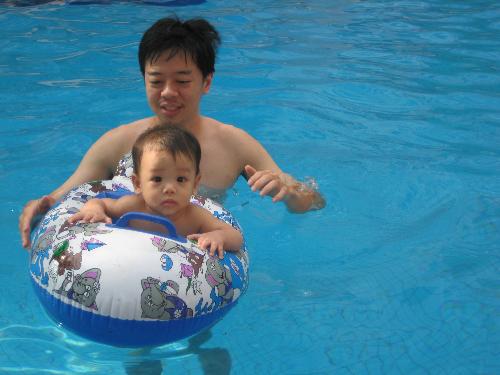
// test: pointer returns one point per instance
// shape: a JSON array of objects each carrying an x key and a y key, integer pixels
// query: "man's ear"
[
  {"x": 207, "y": 83},
  {"x": 196, "y": 183},
  {"x": 136, "y": 183}
]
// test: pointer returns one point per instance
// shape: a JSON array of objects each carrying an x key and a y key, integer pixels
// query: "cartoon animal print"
[
  {"x": 199, "y": 200},
  {"x": 167, "y": 246},
  {"x": 91, "y": 244},
  {"x": 81, "y": 197},
  {"x": 196, "y": 261},
  {"x": 123, "y": 165},
  {"x": 43, "y": 241},
  {"x": 120, "y": 188},
  {"x": 225, "y": 216},
  {"x": 66, "y": 260},
  {"x": 97, "y": 187},
  {"x": 72, "y": 210},
  {"x": 84, "y": 289},
  {"x": 158, "y": 300},
  {"x": 235, "y": 268},
  {"x": 49, "y": 217},
  {"x": 40, "y": 252},
  {"x": 166, "y": 262},
  {"x": 53, "y": 272},
  {"x": 120, "y": 169},
  {"x": 219, "y": 277},
  {"x": 192, "y": 270},
  {"x": 68, "y": 230}
]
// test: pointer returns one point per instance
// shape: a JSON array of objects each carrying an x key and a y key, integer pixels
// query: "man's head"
[{"x": 195, "y": 39}]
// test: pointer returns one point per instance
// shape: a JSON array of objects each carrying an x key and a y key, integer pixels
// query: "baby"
[{"x": 166, "y": 175}]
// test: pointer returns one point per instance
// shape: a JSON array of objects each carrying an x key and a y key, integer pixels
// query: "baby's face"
[{"x": 165, "y": 183}]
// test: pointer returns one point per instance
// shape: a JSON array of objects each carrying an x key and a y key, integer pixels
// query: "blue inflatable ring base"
[{"x": 125, "y": 333}]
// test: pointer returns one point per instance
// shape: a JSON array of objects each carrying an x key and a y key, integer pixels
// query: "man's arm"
[
  {"x": 297, "y": 196},
  {"x": 265, "y": 176},
  {"x": 97, "y": 164}
]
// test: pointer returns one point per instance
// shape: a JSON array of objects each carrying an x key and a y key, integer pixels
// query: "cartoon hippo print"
[
  {"x": 158, "y": 300},
  {"x": 40, "y": 252},
  {"x": 84, "y": 289},
  {"x": 167, "y": 246},
  {"x": 219, "y": 277},
  {"x": 70, "y": 231}
]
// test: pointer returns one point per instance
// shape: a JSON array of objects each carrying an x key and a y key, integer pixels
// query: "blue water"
[{"x": 393, "y": 107}]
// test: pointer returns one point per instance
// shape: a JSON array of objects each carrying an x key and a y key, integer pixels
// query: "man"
[{"x": 177, "y": 61}]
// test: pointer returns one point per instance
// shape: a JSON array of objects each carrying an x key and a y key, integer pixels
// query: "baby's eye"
[
  {"x": 181, "y": 179},
  {"x": 156, "y": 179}
]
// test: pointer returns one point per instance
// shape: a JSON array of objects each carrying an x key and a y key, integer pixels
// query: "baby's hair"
[{"x": 167, "y": 138}]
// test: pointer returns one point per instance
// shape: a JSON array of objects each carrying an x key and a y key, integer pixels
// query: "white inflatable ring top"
[{"x": 124, "y": 287}]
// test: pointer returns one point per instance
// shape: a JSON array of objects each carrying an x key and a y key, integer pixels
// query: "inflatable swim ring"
[{"x": 124, "y": 287}]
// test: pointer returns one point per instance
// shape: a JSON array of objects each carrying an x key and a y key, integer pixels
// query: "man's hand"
[
  {"x": 268, "y": 183},
  {"x": 297, "y": 196},
  {"x": 30, "y": 210}
]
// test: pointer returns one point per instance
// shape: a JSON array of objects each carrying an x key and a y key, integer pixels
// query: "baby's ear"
[{"x": 136, "y": 183}]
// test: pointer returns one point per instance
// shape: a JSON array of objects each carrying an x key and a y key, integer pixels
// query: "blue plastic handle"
[
  {"x": 123, "y": 221},
  {"x": 114, "y": 194}
]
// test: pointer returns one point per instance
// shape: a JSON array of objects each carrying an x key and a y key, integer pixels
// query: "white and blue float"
[{"x": 124, "y": 287}]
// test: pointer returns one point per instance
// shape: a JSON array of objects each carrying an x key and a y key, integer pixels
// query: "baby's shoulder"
[{"x": 196, "y": 211}]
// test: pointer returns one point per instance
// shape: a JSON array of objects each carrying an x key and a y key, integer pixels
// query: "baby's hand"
[
  {"x": 90, "y": 216},
  {"x": 211, "y": 241}
]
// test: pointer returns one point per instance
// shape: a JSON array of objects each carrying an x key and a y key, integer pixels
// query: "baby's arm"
[
  {"x": 102, "y": 210},
  {"x": 216, "y": 235}
]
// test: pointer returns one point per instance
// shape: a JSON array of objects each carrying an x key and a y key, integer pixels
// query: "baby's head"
[{"x": 171, "y": 139}]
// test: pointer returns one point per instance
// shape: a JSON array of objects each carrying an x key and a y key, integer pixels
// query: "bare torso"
[{"x": 220, "y": 164}]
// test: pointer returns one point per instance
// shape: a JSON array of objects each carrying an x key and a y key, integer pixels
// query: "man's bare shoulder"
[
  {"x": 120, "y": 139},
  {"x": 227, "y": 133},
  {"x": 130, "y": 129},
  {"x": 113, "y": 144}
]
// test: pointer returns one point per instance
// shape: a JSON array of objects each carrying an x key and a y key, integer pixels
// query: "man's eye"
[
  {"x": 155, "y": 83},
  {"x": 183, "y": 82}
]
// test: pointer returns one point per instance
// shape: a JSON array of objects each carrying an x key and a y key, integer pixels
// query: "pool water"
[{"x": 392, "y": 107}]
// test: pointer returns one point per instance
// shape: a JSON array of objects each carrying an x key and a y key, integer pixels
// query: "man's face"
[{"x": 174, "y": 87}]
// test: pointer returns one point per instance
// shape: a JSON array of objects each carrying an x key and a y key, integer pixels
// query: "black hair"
[
  {"x": 196, "y": 38},
  {"x": 168, "y": 138}
]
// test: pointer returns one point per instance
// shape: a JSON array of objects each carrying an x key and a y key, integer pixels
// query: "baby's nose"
[{"x": 169, "y": 188}]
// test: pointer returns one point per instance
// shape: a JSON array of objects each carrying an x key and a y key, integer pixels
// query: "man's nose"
[{"x": 169, "y": 89}]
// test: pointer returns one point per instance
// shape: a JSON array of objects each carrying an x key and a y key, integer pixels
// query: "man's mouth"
[{"x": 170, "y": 109}]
